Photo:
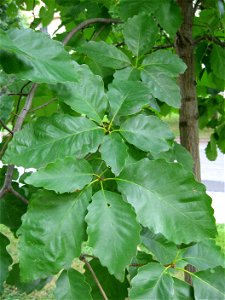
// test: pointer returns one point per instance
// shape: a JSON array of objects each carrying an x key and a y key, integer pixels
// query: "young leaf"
[
  {"x": 204, "y": 255},
  {"x": 86, "y": 96},
  {"x": 182, "y": 290},
  {"x": 113, "y": 288},
  {"x": 105, "y": 54},
  {"x": 47, "y": 139},
  {"x": 54, "y": 228},
  {"x": 114, "y": 152},
  {"x": 127, "y": 97},
  {"x": 165, "y": 198},
  {"x": 72, "y": 285},
  {"x": 128, "y": 8},
  {"x": 209, "y": 284},
  {"x": 164, "y": 250},
  {"x": 147, "y": 133},
  {"x": 71, "y": 173},
  {"x": 5, "y": 260},
  {"x": 112, "y": 221},
  {"x": 152, "y": 282},
  {"x": 36, "y": 57},
  {"x": 140, "y": 33}
]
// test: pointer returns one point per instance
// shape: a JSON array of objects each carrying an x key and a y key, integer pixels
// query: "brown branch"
[
  {"x": 17, "y": 94},
  {"x": 210, "y": 39},
  {"x": 163, "y": 46},
  {"x": 41, "y": 106},
  {"x": 82, "y": 258},
  {"x": 6, "y": 127},
  {"x": 19, "y": 100},
  {"x": 7, "y": 186},
  {"x": 22, "y": 198},
  {"x": 85, "y": 24}
]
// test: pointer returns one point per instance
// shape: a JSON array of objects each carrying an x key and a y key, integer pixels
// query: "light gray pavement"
[{"x": 213, "y": 176}]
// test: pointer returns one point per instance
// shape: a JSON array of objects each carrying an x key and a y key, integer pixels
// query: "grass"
[{"x": 47, "y": 293}]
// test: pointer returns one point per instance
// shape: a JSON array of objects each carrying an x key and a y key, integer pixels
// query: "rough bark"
[{"x": 188, "y": 122}]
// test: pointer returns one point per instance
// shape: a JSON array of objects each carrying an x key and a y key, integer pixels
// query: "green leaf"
[
  {"x": 140, "y": 259},
  {"x": 11, "y": 211},
  {"x": 127, "y": 97},
  {"x": 54, "y": 137},
  {"x": 204, "y": 255},
  {"x": 128, "y": 8},
  {"x": 112, "y": 221},
  {"x": 140, "y": 33},
  {"x": 147, "y": 133},
  {"x": 152, "y": 282},
  {"x": 6, "y": 107},
  {"x": 105, "y": 54},
  {"x": 24, "y": 287},
  {"x": 114, "y": 152},
  {"x": 169, "y": 16},
  {"x": 164, "y": 61},
  {"x": 165, "y": 196},
  {"x": 164, "y": 250},
  {"x": 113, "y": 288},
  {"x": 71, "y": 173},
  {"x": 54, "y": 228},
  {"x": 209, "y": 284},
  {"x": 5, "y": 260},
  {"x": 72, "y": 285},
  {"x": 159, "y": 69},
  {"x": 183, "y": 156},
  {"x": 87, "y": 96},
  {"x": 211, "y": 149},
  {"x": 217, "y": 59},
  {"x": 36, "y": 57},
  {"x": 182, "y": 290}
]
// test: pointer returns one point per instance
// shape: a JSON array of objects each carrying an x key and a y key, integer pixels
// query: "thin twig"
[
  {"x": 85, "y": 24},
  {"x": 22, "y": 198},
  {"x": 210, "y": 39},
  {"x": 7, "y": 186},
  {"x": 82, "y": 258},
  {"x": 163, "y": 46},
  {"x": 43, "y": 105},
  {"x": 17, "y": 94},
  {"x": 19, "y": 100},
  {"x": 5, "y": 146},
  {"x": 97, "y": 33},
  {"x": 6, "y": 127}
]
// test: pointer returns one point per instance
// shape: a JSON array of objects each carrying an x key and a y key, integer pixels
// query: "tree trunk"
[{"x": 188, "y": 121}]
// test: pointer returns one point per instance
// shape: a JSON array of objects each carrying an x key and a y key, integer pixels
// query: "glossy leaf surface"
[
  {"x": 112, "y": 221},
  {"x": 154, "y": 281},
  {"x": 127, "y": 97},
  {"x": 55, "y": 137},
  {"x": 209, "y": 284},
  {"x": 72, "y": 285},
  {"x": 85, "y": 96},
  {"x": 54, "y": 227},
  {"x": 105, "y": 54},
  {"x": 165, "y": 196},
  {"x": 140, "y": 33},
  {"x": 73, "y": 174},
  {"x": 115, "y": 145},
  {"x": 147, "y": 133},
  {"x": 34, "y": 56}
]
